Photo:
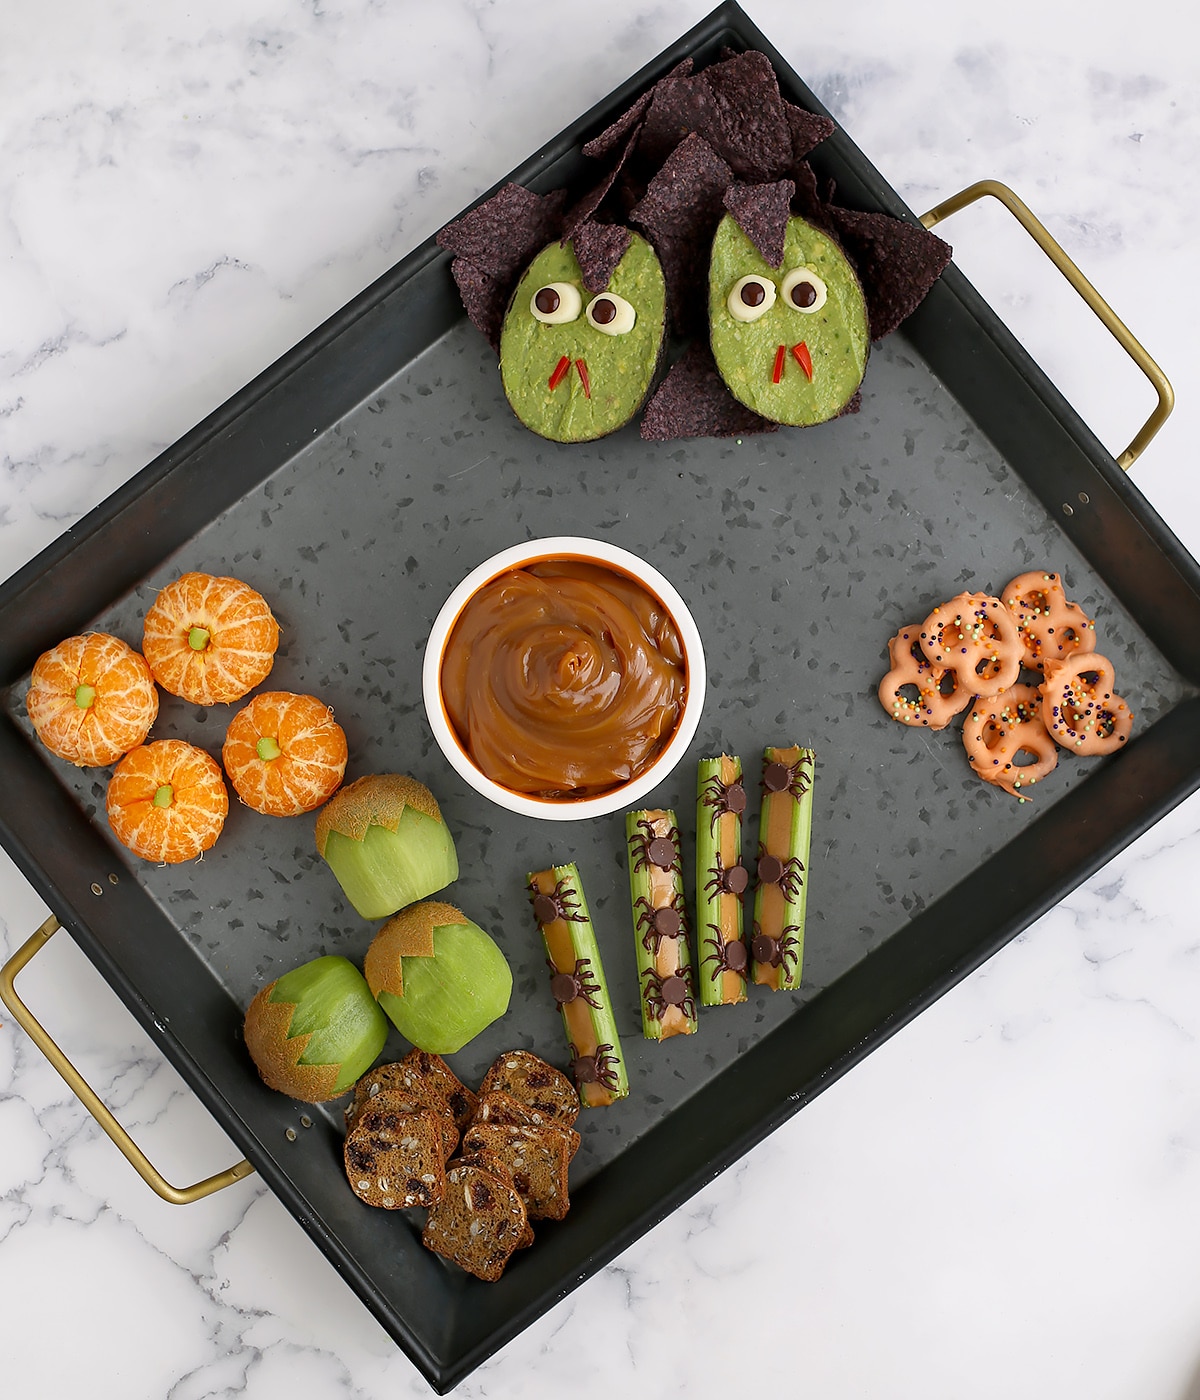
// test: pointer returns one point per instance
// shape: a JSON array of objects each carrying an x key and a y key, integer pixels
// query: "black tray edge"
[{"x": 444, "y": 1377}]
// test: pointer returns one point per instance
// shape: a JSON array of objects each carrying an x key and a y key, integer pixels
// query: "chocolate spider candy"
[
  {"x": 781, "y": 892},
  {"x": 664, "y": 956},
  {"x": 578, "y": 985},
  {"x": 721, "y": 880}
]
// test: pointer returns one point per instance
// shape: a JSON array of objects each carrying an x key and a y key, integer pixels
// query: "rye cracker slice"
[
  {"x": 404, "y": 1093},
  {"x": 395, "y": 1160},
  {"x": 536, "y": 1159},
  {"x": 436, "y": 1075},
  {"x": 533, "y": 1082},
  {"x": 478, "y": 1223},
  {"x": 499, "y": 1107}
]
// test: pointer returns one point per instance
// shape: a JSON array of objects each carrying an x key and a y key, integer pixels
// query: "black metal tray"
[{"x": 358, "y": 479}]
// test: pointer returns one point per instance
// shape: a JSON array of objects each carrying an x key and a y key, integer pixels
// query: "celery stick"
[
  {"x": 781, "y": 892},
  {"x": 721, "y": 879},
  {"x": 578, "y": 985},
  {"x": 664, "y": 956}
]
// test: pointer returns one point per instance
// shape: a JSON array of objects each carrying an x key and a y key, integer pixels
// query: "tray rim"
[{"x": 728, "y": 18}]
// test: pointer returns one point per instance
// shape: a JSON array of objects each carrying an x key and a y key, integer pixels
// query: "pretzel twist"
[
  {"x": 1080, "y": 708},
  {"x": 1051, "y": 626},
  {"x": 917, "y": 692},
  {"x": 976, "y": 635},
  {"x": 1000, "y": 728}
]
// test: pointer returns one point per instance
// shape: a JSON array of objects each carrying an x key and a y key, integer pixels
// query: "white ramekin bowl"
[{"x": 593, "y": 551}]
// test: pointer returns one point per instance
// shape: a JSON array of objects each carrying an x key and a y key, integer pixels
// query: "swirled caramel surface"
[{"x": 563, "y": 679}]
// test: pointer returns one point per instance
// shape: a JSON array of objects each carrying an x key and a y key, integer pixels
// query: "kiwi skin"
[{"x": 315, "y": 1031}]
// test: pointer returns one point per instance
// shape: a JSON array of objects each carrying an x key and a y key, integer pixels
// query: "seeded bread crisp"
[
  {"x": 490, "y": 1162},
  {"x": 536, "y": 1159},
  {"x": 531, "y": 1081},
  {"x": 406, "y": 1092},
  {"x": 436, "y": 1075},
  {"x": 478, "y": 1223},
  {"x": 498, "y": 1107},
  {"x": 394, "y": 1160}
]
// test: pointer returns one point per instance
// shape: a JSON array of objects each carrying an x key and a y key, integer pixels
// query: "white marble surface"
[{"x": 1004, "y": 1199}]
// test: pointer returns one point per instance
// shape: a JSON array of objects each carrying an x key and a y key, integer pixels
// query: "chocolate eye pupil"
[
  {"x": 604, "y": 311},
  {"x": 804, "y": 294},
  {"x": 753, "y": 294},
  {"x": 546, "y": 301}
]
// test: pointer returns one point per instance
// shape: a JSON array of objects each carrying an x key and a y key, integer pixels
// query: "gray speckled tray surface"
[{"x": 800, "y": 553}]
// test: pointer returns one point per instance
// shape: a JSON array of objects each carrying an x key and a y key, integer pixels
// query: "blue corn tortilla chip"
[
  {"x": 692, "y": 401},
  {"x": 616, "y": 132},
  {"x": 501, "y": 235},
  {"x": 679, "y": 213},
  {"x": 746, "y": 123},
  {"x": 735, "y": 105},
  {"x": 762, "y": 212},
  {"x": 808, "y": 201},
  {"x": 807, "y": 129},
  {"x": 483, "y": 297},
  {"x": 598, "y": 249},
  {"x": 591, "y": 202},
  {"x": 897, "y": 263}
]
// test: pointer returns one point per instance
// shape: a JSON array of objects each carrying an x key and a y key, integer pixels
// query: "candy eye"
[
  {"x": 803, "y": 290},
  {"x": 611, "y": 314},
  {"x": 556, "y": 303},
  {"x": 750, "y": 297}
]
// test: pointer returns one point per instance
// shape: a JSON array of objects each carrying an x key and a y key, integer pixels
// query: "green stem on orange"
[
  {"x": 84, "y": 695},
  {"x": 164, "y": 796},
  {"x": 198, "y": 638},
  {"x": 267, "y": 748}
]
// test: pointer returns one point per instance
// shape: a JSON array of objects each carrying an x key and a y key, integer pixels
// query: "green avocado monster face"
[
  {"x": 576, "y": 366},
  {"x": 790, "y": 342}
]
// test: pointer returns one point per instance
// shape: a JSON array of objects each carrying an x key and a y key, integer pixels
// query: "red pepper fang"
[
  {"x": 777, "y": 372},
  {"x": 803, "y": 359},
  {"x": 560, "y": 371},
  {"x": 581, "y": 366}
]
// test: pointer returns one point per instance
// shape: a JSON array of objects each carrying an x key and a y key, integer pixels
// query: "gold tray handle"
[
  {"x": 1053, "y": 250},
  {"x": 176, "y": 1195}
]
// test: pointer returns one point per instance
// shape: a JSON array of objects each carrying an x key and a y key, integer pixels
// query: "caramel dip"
[{"x": 563, "y": 679}]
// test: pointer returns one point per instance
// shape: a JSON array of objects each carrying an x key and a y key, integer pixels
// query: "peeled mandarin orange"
[
  {"x": 210, "y": 639},
  {"x": 91, "y": 699},
  {"x": 285, "y": 754},
  {"x": 167, "y": 801}
]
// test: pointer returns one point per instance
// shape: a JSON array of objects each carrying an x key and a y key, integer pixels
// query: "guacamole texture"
[
  {"x": 765, "y": 361},
  {"x": 605, "y": 377}
]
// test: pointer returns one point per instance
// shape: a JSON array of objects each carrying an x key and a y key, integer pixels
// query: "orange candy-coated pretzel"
[
  {"x": 975, "y": 635},
  {"x": 915, "y": 691},
  {"x": 1051, "y": 627},
  {"x": 999, "y": 729},
  {"x": 1079, "y": 706}
]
